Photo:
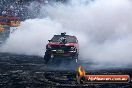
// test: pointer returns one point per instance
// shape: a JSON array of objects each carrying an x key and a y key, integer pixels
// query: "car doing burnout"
[{"x": 62, "y": 46}]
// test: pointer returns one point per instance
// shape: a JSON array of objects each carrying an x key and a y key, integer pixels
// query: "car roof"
[{"x": 65, "y": 35}]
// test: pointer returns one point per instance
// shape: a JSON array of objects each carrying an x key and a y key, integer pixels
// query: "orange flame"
[{"x": 81, "y": 71}]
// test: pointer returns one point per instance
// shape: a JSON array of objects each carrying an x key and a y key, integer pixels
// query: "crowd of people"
[
  {"x": 20, "y": 8},
  {"x": 13, "y": 8}
]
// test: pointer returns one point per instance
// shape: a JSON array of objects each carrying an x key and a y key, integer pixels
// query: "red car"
[{"x": 63, "y": 45}]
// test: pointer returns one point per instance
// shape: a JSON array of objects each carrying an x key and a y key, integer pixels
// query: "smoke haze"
[{"x": 103, "y": 28}]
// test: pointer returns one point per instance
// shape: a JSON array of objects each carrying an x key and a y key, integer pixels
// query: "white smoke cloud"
[
  {"x": 31, "y": 40},
  {"x": 103, "y": 27}
]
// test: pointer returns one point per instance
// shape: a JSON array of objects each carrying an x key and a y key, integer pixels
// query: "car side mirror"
[{"x": 49, "y": 40}]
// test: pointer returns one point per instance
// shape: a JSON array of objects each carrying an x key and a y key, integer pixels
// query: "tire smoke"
[{"x": 103, "y": 28}]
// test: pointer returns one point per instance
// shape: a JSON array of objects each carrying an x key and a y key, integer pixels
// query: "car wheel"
[
  {"x": 49, "y": 58},
  {"x": 75, "y": 62},
  {"x": 75, "y": 58},
  {"x": 46, "y": 57}
]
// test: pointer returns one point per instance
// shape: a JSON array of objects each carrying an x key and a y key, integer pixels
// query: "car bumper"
[{"x": 62, "y": 54}]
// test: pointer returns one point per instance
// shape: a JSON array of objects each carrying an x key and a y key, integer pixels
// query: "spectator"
[{"x": 20, "y": 8}]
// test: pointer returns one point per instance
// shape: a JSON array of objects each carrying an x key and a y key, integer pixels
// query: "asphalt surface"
[{"x": 21, "y": 71}]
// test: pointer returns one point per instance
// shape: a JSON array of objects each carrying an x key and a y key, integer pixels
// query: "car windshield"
[{"x": 69, "y": 39}]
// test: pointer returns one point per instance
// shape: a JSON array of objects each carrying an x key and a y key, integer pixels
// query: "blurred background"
[{"x": 19, "y": 8}]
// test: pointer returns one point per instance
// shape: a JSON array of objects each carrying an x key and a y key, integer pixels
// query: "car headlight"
[
  {"x": 48, "y": 46},
  {"x": 73, "y": 48}
]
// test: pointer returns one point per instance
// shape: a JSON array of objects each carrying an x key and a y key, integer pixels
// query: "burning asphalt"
[{"x": 21, "y": 71}]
